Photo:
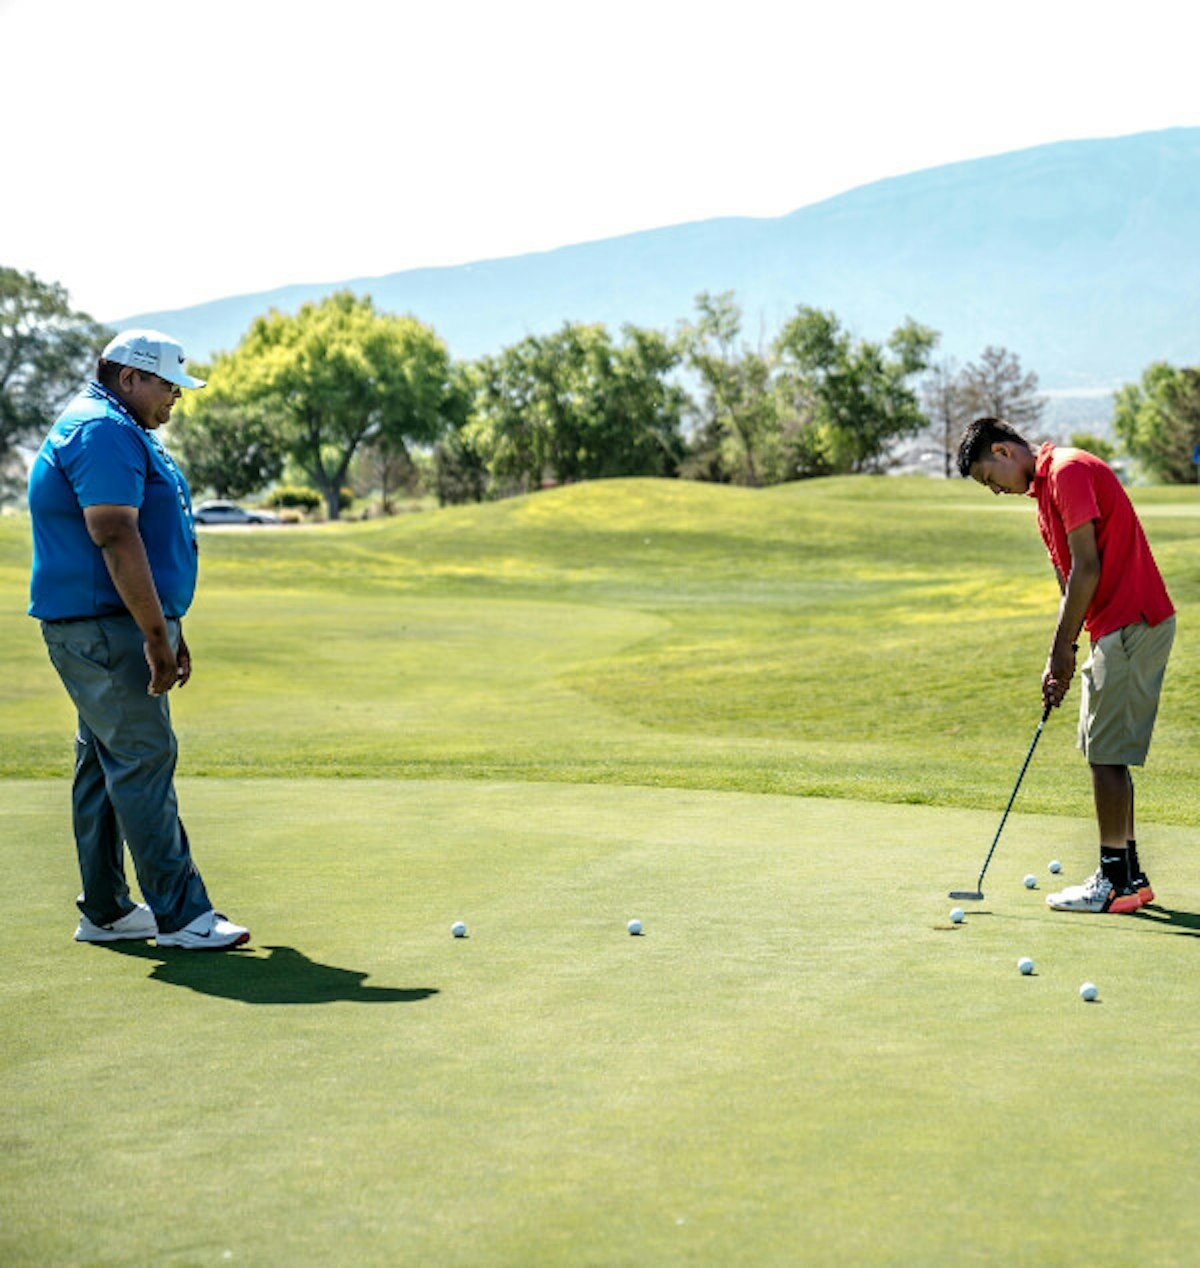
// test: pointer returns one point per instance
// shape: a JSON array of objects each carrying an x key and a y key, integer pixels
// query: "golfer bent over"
[
  {"x": 114, "y": 570},
  {"x": 1111, "y": 586}
]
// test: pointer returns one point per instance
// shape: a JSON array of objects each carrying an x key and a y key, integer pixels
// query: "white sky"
[{"x": 159, "y": 154}]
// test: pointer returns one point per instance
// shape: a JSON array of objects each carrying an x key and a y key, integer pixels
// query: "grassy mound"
[{"x": 877, "y": 638}]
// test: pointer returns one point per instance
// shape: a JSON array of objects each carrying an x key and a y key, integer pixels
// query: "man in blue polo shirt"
[{"x": 114, "y": 571}]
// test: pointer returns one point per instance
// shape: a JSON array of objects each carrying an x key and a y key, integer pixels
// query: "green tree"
[
  {"x": 1094, "y": 445},
  {"x": 574, "y": 405},
  {"x": 1158, "y": 421},
  {"x": 736, "y": 417},
  {"x": 849, "y": 399},
  {"x": 47, "y": 349},
  {"x": 338, "y": 375},
  {"x": 460, "y": 466},
  {"x": 223, "y": 444},
  {"x": 509, "y": 429},
  {"x": 631, "y": 411},
  {"x": 391, "y": 465}
]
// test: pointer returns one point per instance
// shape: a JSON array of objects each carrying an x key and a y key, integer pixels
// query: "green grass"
[
  {"x": 545, "y": 717},
  {"x": 840, "y": 638},
  {"x": 801, "y": 1060}
]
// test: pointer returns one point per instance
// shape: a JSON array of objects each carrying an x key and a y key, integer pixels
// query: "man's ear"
[
  {"x": 1002, "y": 449},
  {"x": 125, "y": 379}
]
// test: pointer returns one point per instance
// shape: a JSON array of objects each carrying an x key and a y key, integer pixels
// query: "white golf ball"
[
  {"x": 458, "y": 929},
  {"x": 1088, "y": 991},
  {"x": 1055, "y": 866},
  {"x": 1031, "y": 881},
  {"x": 1025, "y": 964},
  {"x": 956, "y": 914},
  {"x": 634, "y": 927}
]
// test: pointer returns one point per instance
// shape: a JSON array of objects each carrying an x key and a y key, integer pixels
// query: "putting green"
[{"x": 800, "y": 1061}]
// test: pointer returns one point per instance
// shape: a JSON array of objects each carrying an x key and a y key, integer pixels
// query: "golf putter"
[{"x": 975, "y": 895}]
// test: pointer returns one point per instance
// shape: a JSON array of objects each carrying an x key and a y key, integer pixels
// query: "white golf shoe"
[
  {"x": 136, "y": 924},
  {"x": 1096, "y": 895},
  {"x": 208, "y": 932}
]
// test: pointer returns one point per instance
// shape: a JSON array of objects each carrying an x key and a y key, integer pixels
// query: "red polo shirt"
[{"x": 1071, "y": 487}]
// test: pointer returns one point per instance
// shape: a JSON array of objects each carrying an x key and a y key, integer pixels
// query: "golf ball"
[
  {"x": 1025, "y": 964},
  {"x": 1055, "y": 866},
  {"x": 1088, "y": 991},
  {"x": 634, "y": 927},
  {"x": 1031, "y": 881},
  {"x": 956, "y": 914},
  {"x": 458, "y": 929}
]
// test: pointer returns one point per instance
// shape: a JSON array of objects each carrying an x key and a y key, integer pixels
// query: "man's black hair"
[
  {"x": 107, "y": 372},
  {"x": 980, "y": 436}
]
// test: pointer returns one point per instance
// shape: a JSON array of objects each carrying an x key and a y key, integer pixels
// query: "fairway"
[{"x": 774, "y": 726}]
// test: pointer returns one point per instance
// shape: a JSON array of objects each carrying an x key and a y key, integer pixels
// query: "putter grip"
[{"x": 1046, "y": 712}]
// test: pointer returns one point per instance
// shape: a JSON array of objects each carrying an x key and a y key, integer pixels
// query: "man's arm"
[
  {"x": 1077, "y": 597},
  {"x": 115, "y": 530}
]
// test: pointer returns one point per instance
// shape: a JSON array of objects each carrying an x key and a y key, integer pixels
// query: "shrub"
[{"x": 294, "y": 495}]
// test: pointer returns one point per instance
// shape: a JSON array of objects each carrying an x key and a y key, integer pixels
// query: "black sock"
[
  {"x": 1135, "y": 867},
  {"x": 1114, "y": 863}
]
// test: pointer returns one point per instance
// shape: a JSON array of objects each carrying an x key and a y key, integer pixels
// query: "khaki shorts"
[{"x": 1122, "y": 680}]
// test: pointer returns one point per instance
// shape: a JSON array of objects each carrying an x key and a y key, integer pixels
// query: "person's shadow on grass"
[
  {"x": 1182, "y": 922},
  {"x": 285, "y": 976}
]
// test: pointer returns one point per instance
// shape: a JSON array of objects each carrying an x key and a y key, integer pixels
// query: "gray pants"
[{"x": 124, "y": 789}]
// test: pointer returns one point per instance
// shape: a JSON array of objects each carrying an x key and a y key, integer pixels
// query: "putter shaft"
[{"x": 978, "y": 894}]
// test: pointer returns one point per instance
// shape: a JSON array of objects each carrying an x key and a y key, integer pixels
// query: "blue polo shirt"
[{"x": 97, "y": 454}]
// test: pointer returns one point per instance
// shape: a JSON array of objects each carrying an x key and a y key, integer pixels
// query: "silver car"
[{"x": 230, "y": 513}]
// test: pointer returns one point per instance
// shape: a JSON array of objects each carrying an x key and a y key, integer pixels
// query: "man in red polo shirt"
[{"x": 1111, "y": 587}]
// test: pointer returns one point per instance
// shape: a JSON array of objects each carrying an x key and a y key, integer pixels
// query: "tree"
[
  {"x": 851, "y": 398},
  {"x": 736, "y": 414},
  {"x": 995, "y": 387},
  {"x": 509, "y": 429},
  {"x": 942, "y": 399},
  {"x": 388, "y": 456},
  {"x": 338, "y": 375},
  {"x": 574, "y": 405},
  {"x": 46, "y": 349},
  {"x": 632, "y": 425},
  {"x": 225, "y": 445},
  {"x": 1158, "y": 421},
  {"x": 1094, "y": 444},
  {"x": 388, "y": 468},
  {"x": 460, "y": 467}
]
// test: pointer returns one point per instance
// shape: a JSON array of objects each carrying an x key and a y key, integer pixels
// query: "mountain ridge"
[{"x": 1083, "y": 257}]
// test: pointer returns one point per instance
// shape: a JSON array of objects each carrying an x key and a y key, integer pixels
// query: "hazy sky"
[{"x": 160, "y": 154}]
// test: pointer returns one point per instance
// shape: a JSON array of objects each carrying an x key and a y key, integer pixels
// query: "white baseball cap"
[{"x": 153, "y": 353}]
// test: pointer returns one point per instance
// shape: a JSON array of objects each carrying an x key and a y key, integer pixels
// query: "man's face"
[
  {"x": 150, "y": 397},
  {"x": 1003, "y": 470}
]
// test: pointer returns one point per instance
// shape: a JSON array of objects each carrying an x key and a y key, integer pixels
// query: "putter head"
[{"x": 970, "y": 895}]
